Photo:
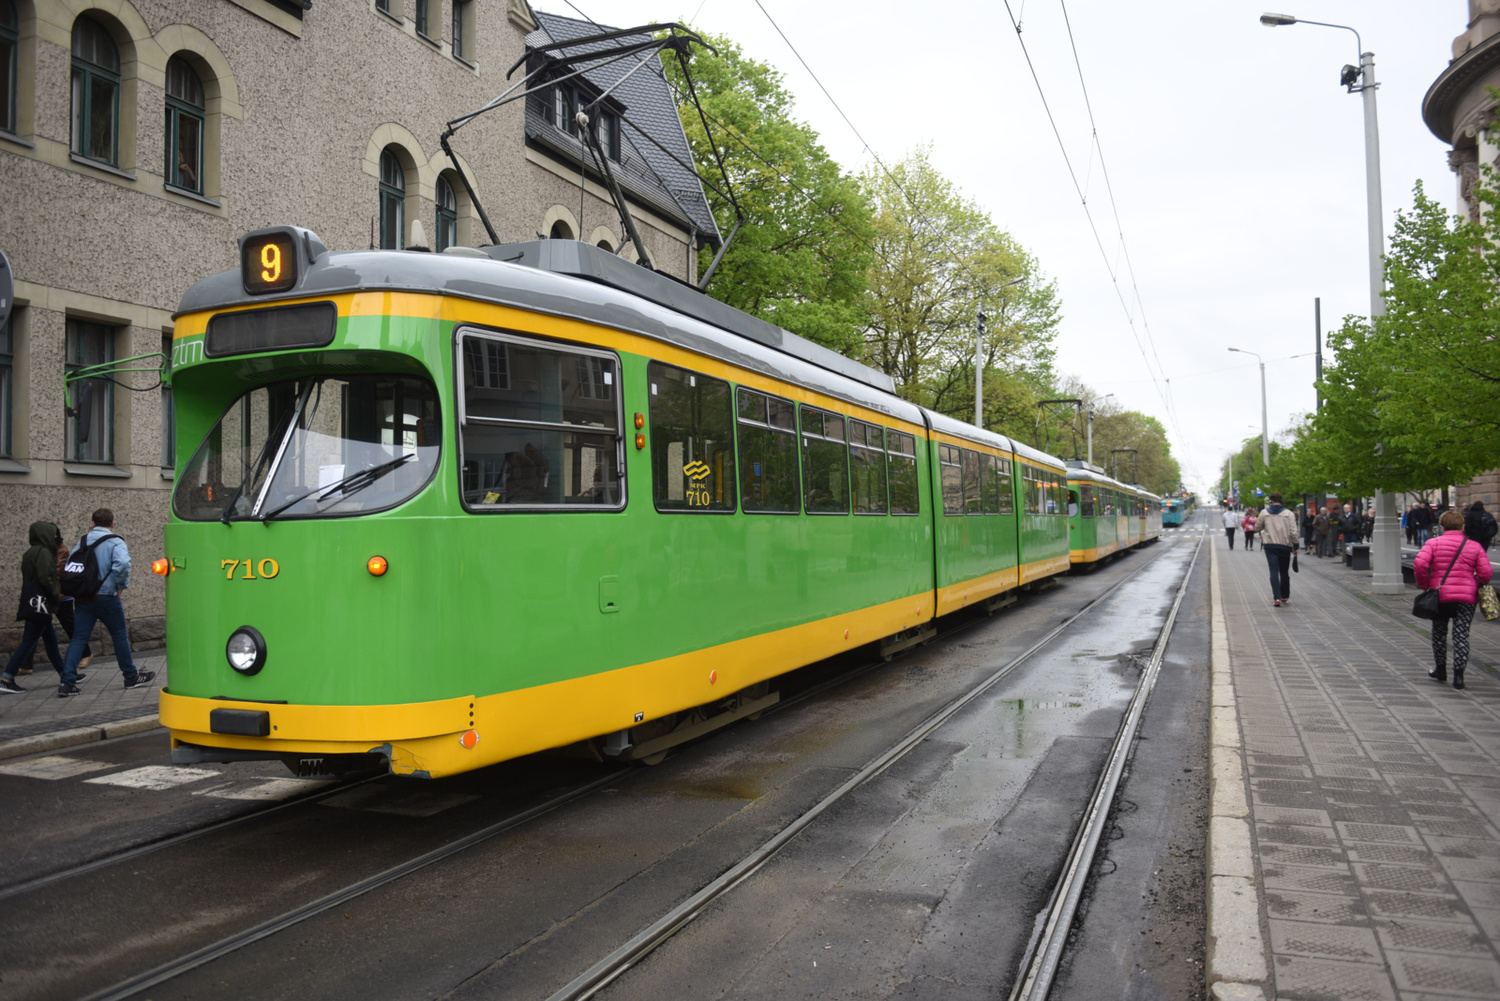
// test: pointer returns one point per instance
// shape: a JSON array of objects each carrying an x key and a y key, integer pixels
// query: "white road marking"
[
  {"x": 53, "y": 767},
  {"x": 263, "y": 789},
  {"x": 155, "y": 777}
]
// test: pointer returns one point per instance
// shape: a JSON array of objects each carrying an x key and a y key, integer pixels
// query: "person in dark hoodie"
[{"x": 38, "y": 565}]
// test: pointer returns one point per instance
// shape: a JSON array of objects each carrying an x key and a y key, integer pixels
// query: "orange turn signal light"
[
  {"x": 161, "y": 567},
  {"x": 640, "y": 442},
  {"x": 640, "y": 421},
  {"x": 377, "y": 566}
]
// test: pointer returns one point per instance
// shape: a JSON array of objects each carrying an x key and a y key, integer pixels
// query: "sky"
[{"x": 1235, "y": 160}]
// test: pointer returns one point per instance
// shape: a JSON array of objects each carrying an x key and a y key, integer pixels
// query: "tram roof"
[
  {"x": 1080, "y": 470},
  {"x": 578, "y": 281}
]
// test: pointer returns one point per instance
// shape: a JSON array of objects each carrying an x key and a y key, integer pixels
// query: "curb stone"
[
  {"x": 77, "y": 735},
  {"x": 1236, "y": 967}
]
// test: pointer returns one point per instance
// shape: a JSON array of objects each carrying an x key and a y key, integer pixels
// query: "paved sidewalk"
[
  {"x": 1373, "y": 791},
  {"x": 26, "y": 721}
]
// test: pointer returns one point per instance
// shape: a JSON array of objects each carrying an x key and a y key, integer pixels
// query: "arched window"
[
  {"x": 184, "y": 167},
  {"x": 96, "y": 92},
  {"x": 9, "y": 43},
  {"x": 447, "y": 215},
  {"x": 392, "y": 201},
  {"x": 561, "y": 231},
  {"x": 604, "y": 245}
]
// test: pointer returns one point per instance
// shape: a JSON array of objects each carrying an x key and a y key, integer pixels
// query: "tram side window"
[
  {"x": 901, "y": 453},
  {"x": 1004, "y": 500},
  {"x": 768, "y": 453},
  {"x": 541, "y": 425},
  {"x": 952, "y": 468},
  {"x": 867, "y": 465},
  {"x": 987, "y": 482},
  {"x": 1057, "y": 492},
  {"x": 971, "y": 482},
  {"x": 1031, "y": 482},
  {"x": 692, "y": 440},
  {"x": 1086, "y": 499},
  {"x": 825, "y": 462}
]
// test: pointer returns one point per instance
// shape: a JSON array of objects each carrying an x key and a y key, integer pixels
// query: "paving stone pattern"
[
  {"x": 104, "y": 700},
  {"x": 1374, "y": 791}
]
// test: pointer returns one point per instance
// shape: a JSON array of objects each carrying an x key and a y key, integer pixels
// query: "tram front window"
[{"x": 313, "y": 448}]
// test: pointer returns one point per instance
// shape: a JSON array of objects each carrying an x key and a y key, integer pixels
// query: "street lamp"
[
  {"x": 979, "y": 320},
  {"x": 1265, "y": 428},
  {"x": 1091, "y": 425},
  {"x": 1387, "y": 541}
]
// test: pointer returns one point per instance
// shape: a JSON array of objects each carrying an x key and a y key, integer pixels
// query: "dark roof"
[{"x": 647, "y": 172}]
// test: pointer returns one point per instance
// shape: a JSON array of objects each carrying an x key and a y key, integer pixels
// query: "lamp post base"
[{"x": 1385, "y": 548}]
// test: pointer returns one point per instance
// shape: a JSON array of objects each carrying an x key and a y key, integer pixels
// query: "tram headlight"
[{"x": 246, "y": 650}]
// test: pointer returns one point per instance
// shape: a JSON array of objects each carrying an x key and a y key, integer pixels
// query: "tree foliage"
[
  {"x": 1412, "y": 400},
  {"x": 801, "y": 257},
  {"x": 939, "y": 258}
]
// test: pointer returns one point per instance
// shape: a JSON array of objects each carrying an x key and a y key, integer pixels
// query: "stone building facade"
[
  {"x": 1460, "y": 111},
  {"x": 140, "y": 138}
]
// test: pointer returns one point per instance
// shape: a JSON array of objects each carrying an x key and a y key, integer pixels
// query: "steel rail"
[
  {"x": 1044, "y": 951},
  {"x": 271, "y": 926},
  {"x": 16, "y": 889},
  {"x": 602, "y": 973}
]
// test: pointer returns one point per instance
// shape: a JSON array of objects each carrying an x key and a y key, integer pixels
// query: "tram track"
[
  {"x": 640, "y": 944},
  {"x": 615, "y": 964}
]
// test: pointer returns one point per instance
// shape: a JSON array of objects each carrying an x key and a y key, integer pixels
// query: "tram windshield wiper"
[
  {"x": 348, "y": 485},
  {"x": 266, "y": 451}
]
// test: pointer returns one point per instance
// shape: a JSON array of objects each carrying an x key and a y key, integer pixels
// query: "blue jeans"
[
  {"x": 1279, "y": 559},
  {"x": 105, "y": 608},
  {"x": 36, "y": 629},
  {"x": 1422, "y": 536}
]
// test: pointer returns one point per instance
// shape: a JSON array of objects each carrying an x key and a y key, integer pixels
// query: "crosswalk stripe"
[
  {"x": 53, "y": 767},
  {"x": 155, "y": 777},
  {"x": 263, "y": 789}
]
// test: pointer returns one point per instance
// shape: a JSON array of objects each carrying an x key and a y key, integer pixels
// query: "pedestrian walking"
[
  {"x": 1479, "y": 525},
  {"x": 1421, "y": 517},
  {"x": 1308, "y": 539},
  {"x": 1248, "y": 525},
  {"x": 1407, "y": 526},
  {"x": 1321, "y": 527},
  {"x": 1231, "y": 522},
  {"x": 39, "y": 595},
  {"x": 1278, "y": 540},
  {"x": 64, "y": 613},
  {"x": 1368, "y": 529},
  {"x": 111, "y": 567},
  {"x": 1458, "y": 566}
]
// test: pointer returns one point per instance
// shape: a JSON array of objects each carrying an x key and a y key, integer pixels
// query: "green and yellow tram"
[
  {"x": 448, "y": 509},
  {"x": 1106, "y": 516}
]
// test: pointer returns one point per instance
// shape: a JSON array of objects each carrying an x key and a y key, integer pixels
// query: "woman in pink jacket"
[
  {"x": 1249, "y": 526},
  {"x": 1458, "y": 590}
]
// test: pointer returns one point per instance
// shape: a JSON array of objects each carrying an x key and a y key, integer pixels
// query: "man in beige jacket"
[{"x": 1278, "y": 540}]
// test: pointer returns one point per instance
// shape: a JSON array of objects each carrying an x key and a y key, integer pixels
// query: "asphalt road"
[{"x": 922, "y": 883}]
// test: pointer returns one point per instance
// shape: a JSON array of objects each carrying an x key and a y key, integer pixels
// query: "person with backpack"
[
  {"x": 96, "y": 575},
  {"x": 1448, "y": 563},
  {"x": 1479, "y": 525},
  {"x": 39, "y": 596}
]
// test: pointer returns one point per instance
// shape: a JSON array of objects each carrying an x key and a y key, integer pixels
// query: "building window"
[
  {"x": 447, "y": 215},
  {"x": 392, "y": 201},
  {"x": 609, "y": 135},
  {"x": 462, "y": 29},
  {"x": 7, "y": 369},
  {"x": 420, "y": 10},
  {"x": 91, "y": 426},
  {"x": 384, "y": 6},
  {"x": 96, "y": 93},
  {"x": 564, "y": 106},
  {"x": 184, "y": 126},
  {"x": 9, "y": 43},
  {"x": 168, "y": 415}
]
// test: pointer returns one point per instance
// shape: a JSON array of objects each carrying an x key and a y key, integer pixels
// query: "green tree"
[
  {"x": 802, "y": 254},
  {"x": 938, "y": 259},
  {"x": 1413, "y": 397}
]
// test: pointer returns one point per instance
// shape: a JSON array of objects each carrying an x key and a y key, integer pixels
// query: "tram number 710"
[{"x": 268, "y": 568}]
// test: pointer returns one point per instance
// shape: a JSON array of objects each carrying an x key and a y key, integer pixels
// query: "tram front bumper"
[{"x": 422, "y": 739}]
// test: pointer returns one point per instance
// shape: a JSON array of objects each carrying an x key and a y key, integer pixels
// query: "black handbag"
[
  {"x": 1427, "y": 605},
  {"x": 35, "y": 605},
  {"x": 1294, "y": 562}
]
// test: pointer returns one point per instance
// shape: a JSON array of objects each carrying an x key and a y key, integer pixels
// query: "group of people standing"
[{"x": 42, "y": 567}]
